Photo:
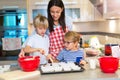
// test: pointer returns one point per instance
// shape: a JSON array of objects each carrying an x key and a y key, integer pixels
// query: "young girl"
[
  {"x": 38, "y": 44},
  {"x": 71, "y": 50}
]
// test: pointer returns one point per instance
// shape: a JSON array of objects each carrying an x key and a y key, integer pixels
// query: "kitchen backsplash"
[
  {"x": 107, "y": 31},
  {"x": 108, "y": 26},
  {"x": 104, "y": 39}
]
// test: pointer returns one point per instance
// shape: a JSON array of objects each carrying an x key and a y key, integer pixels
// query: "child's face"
[
  {"x": 70, "y": 45},
  {"x": 41, "y": 31}
]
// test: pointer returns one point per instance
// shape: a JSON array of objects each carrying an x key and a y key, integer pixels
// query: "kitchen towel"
[
  {"x": 11, "y": 43},
  {"x": 115, "y": 51}
]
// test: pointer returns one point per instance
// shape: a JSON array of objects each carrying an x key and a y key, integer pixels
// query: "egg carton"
[{"x": 60, "y": 68}]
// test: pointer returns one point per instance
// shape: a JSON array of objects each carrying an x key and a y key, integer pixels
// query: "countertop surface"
[{"x": 88, "y": 74}]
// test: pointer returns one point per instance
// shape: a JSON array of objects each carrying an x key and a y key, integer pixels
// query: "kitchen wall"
[
  {"x": 102, "y": 39},
  {"x": 21, "y": 4},
  {"x": 107, "y": 31},
  {"x": 92, "y": 25},
  {"x": 110, "y": 26},
  {"x": 86, "y": 26}
]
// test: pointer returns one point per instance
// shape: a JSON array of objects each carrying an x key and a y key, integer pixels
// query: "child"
[
  {"x": 71, "y": 50},
  {"x": 38, "y": 43}
]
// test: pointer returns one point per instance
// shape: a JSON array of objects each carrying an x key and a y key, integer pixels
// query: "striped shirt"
[{"x": 69, "y": 56}]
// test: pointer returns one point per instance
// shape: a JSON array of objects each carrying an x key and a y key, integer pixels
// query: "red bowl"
[
  {"x": 29, "y": 63},
  {"x": 109, "y": 64}
]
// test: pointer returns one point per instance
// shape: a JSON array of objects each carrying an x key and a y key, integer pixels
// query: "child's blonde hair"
[
  {"x": 72, "y": 36},
  {"x": 40, "y": 21}
]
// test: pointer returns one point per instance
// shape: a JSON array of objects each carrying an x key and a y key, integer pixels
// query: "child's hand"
[
  {"x": 41, "y": 51},
  {"x": 49, "y": 57},
  {"x": 83, "y": 62},
  {"x": 22, "y": 53}
]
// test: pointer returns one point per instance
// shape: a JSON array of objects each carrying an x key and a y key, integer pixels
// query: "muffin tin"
[{"x": 61, "y": 67}]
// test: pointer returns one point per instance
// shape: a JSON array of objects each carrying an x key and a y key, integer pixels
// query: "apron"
[{"x": 56, "y": 41}]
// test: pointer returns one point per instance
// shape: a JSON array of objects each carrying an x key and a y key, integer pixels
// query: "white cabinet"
[
  {"x": 87, "y": 11},
  {"x": 112, "y": 9},
  {"x": 35, "y": 7},
  {"x": 40, "y": 6},
  {"x": 79, "y": 10}
]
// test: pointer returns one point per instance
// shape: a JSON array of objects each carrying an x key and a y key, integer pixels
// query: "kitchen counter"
[{"x": 88, "y": 74}]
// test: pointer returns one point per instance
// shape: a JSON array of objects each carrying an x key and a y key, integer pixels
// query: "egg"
[
  {"x": 47, "y": 69},
  {"x": 76, "y": 68},
  {"x": 58, "y": 69}
]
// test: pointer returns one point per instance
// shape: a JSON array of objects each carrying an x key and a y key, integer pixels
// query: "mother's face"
[{"x": 55, "y": 12}]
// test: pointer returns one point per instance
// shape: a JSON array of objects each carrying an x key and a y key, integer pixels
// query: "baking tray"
[{"x": 71, "y": 71}]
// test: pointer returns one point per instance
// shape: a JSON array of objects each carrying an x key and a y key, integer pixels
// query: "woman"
[{"x": 58, "y": 26}]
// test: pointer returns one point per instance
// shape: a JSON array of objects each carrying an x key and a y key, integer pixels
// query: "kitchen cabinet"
[
  {"x": 83, "y": 10},
  {"x": 6, "y": 4},
  {"x": 35, "y": 7},
  {"x": 40, "y": 6},
  {"x": 112, "y": 9},
  {"x": 78, "y": 10},
  {"x": 108, "y": 8}
]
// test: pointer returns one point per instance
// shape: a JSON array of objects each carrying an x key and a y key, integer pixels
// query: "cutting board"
[{"x": 18, "y": 74}]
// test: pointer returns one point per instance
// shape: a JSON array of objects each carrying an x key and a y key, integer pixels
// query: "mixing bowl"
[
  {"x": 29, "y": 63},
  {"x": 109, "y": 64}
]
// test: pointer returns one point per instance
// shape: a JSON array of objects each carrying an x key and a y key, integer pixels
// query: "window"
[{"x": 74, "y": 13}]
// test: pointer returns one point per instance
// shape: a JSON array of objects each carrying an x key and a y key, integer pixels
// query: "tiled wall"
[
  {"x": 103, "y": 39},
  {"x": 109, "y": 26},
  {"x": 104, "y": 30}
]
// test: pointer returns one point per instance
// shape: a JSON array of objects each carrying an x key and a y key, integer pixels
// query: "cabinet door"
[
  {"x": 112, "y": 9},
  {"x": 35, "y": 7}
]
